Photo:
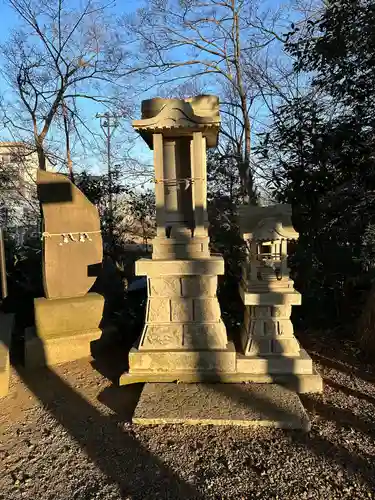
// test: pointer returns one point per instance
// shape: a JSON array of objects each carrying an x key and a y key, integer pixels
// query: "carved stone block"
[
  {"x": 287, "y": 347},
  {"x": 205, "y": 336},
  {"x": 206, "y": 310},
  {"x": 182, "y": 310},
  {"x": 199, "y": 286},
  {"x": 158, "y": 310},
  {"x": 258, "y": 346},
  {"x": 162, "y": 337},
  {"x": 164, "y": 287}
]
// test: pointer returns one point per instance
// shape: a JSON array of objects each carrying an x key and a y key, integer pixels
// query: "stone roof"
[
  {"x": 179, "y": 117},
  {"x": 267, "y": 223}
]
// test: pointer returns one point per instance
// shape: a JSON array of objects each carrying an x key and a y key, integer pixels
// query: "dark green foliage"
[
  {"x": 97, "y": 188},
  {"x": 224, "y": 196},
  {"x": 321, "y": 149},
  {"x": 142, "y": 207},
  {"x": 24, "y": 277}
]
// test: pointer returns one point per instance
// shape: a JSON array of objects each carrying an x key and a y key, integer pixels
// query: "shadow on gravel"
[
  {"x": 348, "y": 391},
  {"x": 118, "y": 454},
  {"x": 352, "y": 463}
]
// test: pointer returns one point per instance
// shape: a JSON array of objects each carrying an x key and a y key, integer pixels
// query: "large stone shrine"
[
  {"x": 68, "y": 318},
  {"x": 183, "y": 333}
]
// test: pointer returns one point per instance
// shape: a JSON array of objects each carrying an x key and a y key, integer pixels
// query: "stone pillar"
[
  {"x": 159, "y": 185},
  {"x": 183, "y": 333},
  {"x": 172, "y": 212},
  {"x": 199, "y": 176}
]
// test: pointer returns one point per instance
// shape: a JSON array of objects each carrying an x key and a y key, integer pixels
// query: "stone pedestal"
[
  {"x": 64, "y": 329},
  {"x": 184, "y": 334},
  {"x": 183, "y": 330}
]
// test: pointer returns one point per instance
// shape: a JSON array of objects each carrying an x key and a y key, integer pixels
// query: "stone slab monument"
[
  {"x": 269, "y": 345},
  {"x": 68, "y": 318},
  {"x": 183, "y": 333}
]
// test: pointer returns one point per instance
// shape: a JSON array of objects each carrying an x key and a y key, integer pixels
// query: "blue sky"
[{"x": 9, "y": 22}]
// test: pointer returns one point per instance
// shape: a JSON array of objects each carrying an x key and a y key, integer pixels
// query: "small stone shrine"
[
  {"x": 267, "y": 338},
  {"x": 68, "y": 318},
  {"x": 184, "y": 332}
]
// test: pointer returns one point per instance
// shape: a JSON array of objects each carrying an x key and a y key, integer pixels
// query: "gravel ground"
[{"x": 65, "y": 435}]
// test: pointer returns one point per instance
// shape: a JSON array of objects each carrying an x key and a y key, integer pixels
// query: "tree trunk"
[
  {"x": 41, "y": 156},
  {"x": 67, "y": 143}
]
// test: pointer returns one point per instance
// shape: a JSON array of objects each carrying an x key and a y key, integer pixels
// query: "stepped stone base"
[
  {"x": 187, "y": 361},
  {"x": 302, "y": 384},
  {"x": 60, "y": 349},
  {"x": 297, "y": 365},
  {"x": 56, "y": 317},
  {"x": 64, "y": 329},
  {"x": 221, "y": 404},
  {"x": 211, "y": 265},
  {"x": 6, "y": 328}
]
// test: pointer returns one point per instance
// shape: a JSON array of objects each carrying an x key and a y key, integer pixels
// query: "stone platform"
[
  {"x": 301, "y": 384},
  {"x": 64, "y": 329},
  {"x": 59, "y": 349},
  {"x": 6, "y": 328},
  {"x": 247, "y": 405}
]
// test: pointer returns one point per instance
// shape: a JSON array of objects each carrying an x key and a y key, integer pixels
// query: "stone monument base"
[
  {"x": 6, "y": 328},
  {"x": 302, "y": 383},
  {"x": 60, "y": 349},
  {"x": 246, "y": 405},
  {"x": 164, "y": 362},
  {"x": 64, "y": 329},
  {"x": 275, "y": 364}
]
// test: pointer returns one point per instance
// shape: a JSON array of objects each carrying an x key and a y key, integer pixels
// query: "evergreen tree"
[{"x": 321, "y": 150}]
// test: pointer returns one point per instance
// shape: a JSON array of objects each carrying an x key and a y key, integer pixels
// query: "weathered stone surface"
[
  {"x": 158, "y": 310},
  {"x": 199, "y": 286},
  {"x": 232, "y": 404},
  {"x": 147, "y": 267},
  {"x": 205, "y": 336},
  {"x": 206, "y": 310},
  {"x": 58, "y": 349},
  {"x": 164, "y": 287},
  {"x": 170, "y": 361},
  {"x": 274, "y": 364},
  {"x": 6, "y": 329},
  {"x": 55, "y": 317},
  {"x": 69, "y": 268},
  {"x": 182, "y": 310},
  {"x": 162, "y": 337}
]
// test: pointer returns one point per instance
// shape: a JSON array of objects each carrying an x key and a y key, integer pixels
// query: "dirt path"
[{"x": 65, "y": 435}]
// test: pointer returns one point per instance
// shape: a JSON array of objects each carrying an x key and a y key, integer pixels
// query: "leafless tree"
[
  {"x": 59, "y": 56},
  {"x": 219, "y": 43}
]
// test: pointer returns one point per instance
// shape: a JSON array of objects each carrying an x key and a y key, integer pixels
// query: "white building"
[{"x": 19, "y": 208}]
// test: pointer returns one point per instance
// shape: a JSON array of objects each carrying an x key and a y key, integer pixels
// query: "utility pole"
[{"x": 108, "y": 123}]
